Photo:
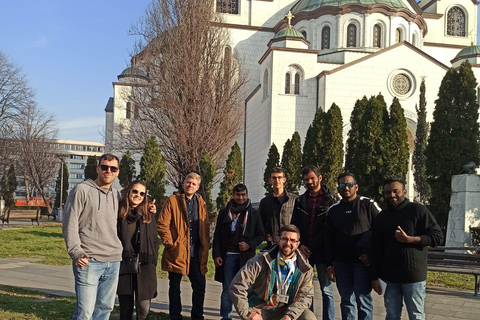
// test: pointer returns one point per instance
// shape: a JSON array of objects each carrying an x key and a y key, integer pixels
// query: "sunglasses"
[
  {"x": 344, "y": 185},
  {"x": 135, "y": 191},
  {"x": 104, "y": 167}
]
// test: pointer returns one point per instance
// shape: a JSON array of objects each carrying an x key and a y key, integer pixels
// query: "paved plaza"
[{"x": 441, "y": 303}]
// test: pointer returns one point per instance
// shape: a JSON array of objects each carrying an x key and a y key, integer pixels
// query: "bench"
[
  {"x": 20, "y": 215},
  {"x": 46, "y": 213},
  {"x": 461, "y": 260}
]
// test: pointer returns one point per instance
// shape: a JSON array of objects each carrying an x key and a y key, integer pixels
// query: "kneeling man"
[{"x": 277, "y": 284}]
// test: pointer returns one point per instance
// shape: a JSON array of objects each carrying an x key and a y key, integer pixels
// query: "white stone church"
[{"x": 330, "y": 51}]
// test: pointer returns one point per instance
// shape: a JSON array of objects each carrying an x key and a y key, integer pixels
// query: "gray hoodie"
[{"x": 90, "y": 223}]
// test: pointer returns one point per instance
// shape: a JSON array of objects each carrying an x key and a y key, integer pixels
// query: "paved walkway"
[{"x": 441, "y": 304}]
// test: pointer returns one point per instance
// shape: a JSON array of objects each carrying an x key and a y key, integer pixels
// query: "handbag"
[{"x": 131, "y": 266}]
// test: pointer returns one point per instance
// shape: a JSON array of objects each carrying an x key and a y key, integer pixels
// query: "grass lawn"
[{"x": 46, "y": 242}]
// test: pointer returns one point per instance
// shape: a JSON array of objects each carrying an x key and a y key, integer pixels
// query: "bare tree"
[
  {"x": 34, "y": 130},
  {"x": 15, "y": 94},
  {"x": 193, "y": 98}
]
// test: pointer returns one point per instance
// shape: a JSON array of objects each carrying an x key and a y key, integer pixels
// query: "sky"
[{"x": 71, "y": 52}]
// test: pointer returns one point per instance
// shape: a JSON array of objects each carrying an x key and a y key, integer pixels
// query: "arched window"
[
  {"x": 129, "y": 110},
  {"x": 227, "y": 6},
  {"x": 351, "y": 35},
  {"x": 398, "y": 35},
  {"x": 414, "y": 40},
  {"x": 265, "y": 84},
  {"x": 287, "y": 83},
  {"x": 377, "y": 36},
  {"x": 297, "y": 83},
  {"x": 456, "y": 22},
  {"x": 326, "y": 38},
  {"x": 304, "y": 34}
]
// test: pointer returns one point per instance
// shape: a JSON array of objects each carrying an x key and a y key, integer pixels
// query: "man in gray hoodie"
[{"x": 90, "y": 233}]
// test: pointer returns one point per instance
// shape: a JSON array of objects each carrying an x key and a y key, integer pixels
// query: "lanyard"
[{"x": 282, "y": 286}]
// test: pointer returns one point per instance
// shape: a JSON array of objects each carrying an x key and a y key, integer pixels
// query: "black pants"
[
  {"x": 127, "y": 302},
  {"x": 197, "y": 280}
]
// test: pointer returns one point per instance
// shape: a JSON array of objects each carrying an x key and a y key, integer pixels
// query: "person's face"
[
  {"x": 394, "y": 193},
  {"x": 277, "y": 180},
  {"x": 190, "y": 186},
  {"x": 346, "y": 189},
  {"x": 137, "y": 194},
  {"x": 240, "y": 197},
  {"x": 288, "y": 243},
  {"x": 311, "y": 181},
  {"x": 105, "y": 171}
]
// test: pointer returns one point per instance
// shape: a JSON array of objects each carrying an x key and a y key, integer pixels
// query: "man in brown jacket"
[{"x": 184, "y": 229}]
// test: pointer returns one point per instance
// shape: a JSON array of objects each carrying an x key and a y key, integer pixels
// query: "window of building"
[
  {"x": 304, "y": 34},
  {"x": 414, "y": 40},
  {"x": 129, "y": 110},
  {"x": 377, "y": 36},
  {"x": 351, "y": 35},
  {"x": 456, "y": 21},
  {"x": 77, "y": 166},
  {"x": 326, "y": 38},
  {"x": 227, "y": 6},
  {"x": 297, "y": 83},
  {"x": 287, "y": 83},
  {"x": 398, "y": 35},
  {"x": 265, "y": 84}
]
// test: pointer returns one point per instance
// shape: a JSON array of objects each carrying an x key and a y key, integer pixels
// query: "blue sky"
[{"x": 71, "y": 51}]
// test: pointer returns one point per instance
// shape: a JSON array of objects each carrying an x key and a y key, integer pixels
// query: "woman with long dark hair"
[{"x": 137, "y": 230}]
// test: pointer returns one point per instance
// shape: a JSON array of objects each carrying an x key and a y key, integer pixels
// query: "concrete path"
[{"x": 441, "y": 304}]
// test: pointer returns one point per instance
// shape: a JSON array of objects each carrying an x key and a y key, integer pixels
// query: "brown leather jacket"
[{"x": 174, "y": 230}]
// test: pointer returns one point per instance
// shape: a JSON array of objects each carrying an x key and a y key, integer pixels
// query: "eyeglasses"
[
  {"x": 277, "y": 178},
  {"x": 294, "y": 241},
  {"x": 344, "y": 185},
  {"x": 135, "y": 191},
  {"x": 104, "y": 167}
]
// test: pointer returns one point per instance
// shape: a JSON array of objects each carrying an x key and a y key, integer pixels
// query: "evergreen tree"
[
  {"x": 127, "y": 170},
  {"x": 273, "y": 160},
  {"x": 332, "y": 149},
  {"x": 59, "y": 187},
  {"x": 366, "y": 154},
  {"x": 355, "y": 125},
  {"x": 292, "y": 163},
  {"x": 313, "y": 148},
  {"x": 454, "y": 134},
  {"x": 396, "y": 143},
  {"x": 91, "y": 168},
  {"x": 206, "y": 169},
  {"x": 233, "y": 175},
  {"x": 153, "y": 170},
  {"x": 419, "y": 158},
  {"x": 8, "y": 187}
]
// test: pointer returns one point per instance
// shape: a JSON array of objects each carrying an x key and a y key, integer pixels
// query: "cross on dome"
[{"x": 289, "y": 17}]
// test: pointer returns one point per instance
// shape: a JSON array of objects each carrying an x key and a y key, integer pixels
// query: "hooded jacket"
[
  {"x": 174, "y": 230},
  {"x": 90, "y": 223},
  {"x": 253, "y": 285},
  {"x": 275, "y": 215}
]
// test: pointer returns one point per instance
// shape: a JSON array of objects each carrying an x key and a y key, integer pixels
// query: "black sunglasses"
[
  {"x": 104, "y": 167},
  {"x": 135, "y": 191}
]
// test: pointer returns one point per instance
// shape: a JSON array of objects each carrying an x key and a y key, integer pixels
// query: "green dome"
[
  {"x": 290, "y": 33},
  {"x": 310, "y": 5},
  {"x": 132, "y": 72},
  {"x": 468, "y": 52}
]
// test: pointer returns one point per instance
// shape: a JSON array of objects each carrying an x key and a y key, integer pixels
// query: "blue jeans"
[
  {"x": 198, "y": 283},
  {"x": 95, "y": 288},
  {"x": 412, "y": 293},
  {"x": 328, "y": 303},
  {"x": 354, "y": 285},
  {"x": 230, "y": 269}
]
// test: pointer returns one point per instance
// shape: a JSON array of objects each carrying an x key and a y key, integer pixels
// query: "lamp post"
[{"x": 60, "y": 209}]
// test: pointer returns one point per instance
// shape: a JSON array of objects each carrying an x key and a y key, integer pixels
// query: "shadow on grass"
[{"x": 47, "y": 234}]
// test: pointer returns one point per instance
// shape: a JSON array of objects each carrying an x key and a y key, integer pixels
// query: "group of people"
[{"x": 349, "y": 240}]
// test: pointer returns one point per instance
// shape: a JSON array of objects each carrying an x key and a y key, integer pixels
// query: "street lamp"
[{"x": 60, "y": 209}]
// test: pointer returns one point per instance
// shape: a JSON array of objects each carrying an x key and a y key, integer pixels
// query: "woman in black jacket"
[{"x": 138, "y": 232}]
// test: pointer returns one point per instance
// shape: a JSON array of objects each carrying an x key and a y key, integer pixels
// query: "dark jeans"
[
  {"x": 197, "y": 280},
  {"x": 230, "y": 269},
  {"x": 127, "y": 302},
  {"x": 328, "y": 304}
]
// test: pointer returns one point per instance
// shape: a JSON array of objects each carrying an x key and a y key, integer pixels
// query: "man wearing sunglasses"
[
  {"x": 90, "y": 233},
  {"x": 348, "y": 250}
]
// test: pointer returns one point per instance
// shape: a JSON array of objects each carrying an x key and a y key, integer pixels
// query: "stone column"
[{"x": 464, "y": 203}]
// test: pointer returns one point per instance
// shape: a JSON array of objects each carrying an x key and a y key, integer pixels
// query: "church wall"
[{"x": 442, "y": 54}]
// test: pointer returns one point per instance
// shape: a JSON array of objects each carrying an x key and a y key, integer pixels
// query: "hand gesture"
[
  {"x": 83, "y": 261},
  {"x": 152, "y": 208},
  {"x": 400, "y": 235}
]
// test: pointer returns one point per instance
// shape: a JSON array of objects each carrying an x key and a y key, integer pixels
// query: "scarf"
[
  {"x": 237, "y": 209},
  {"x": 145, "y": 238}
]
